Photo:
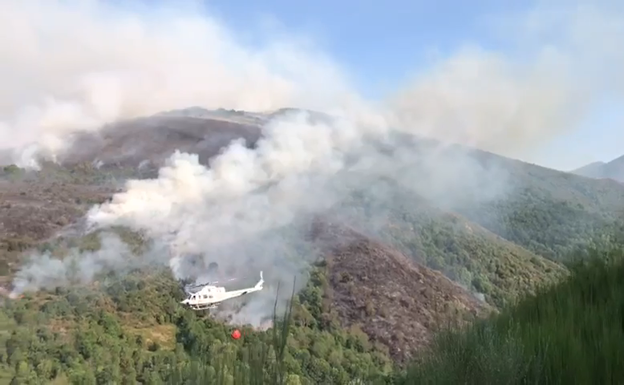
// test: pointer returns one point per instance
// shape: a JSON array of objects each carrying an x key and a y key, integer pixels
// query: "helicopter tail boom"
[{"x": 260, "y": 282}]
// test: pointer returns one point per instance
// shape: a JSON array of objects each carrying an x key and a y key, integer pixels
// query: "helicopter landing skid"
[{"x": 203, "y": 307}]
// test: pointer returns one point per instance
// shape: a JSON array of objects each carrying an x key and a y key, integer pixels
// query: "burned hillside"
[
  {"x": 395, "y": 301},
  {"x": 153, "y": 139},
  {"x": 34, "y": 211}
]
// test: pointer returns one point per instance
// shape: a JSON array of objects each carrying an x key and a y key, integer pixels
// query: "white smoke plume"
[
  {"x": 46, "y": 272},
  {"x": 235, "y": 209},
  {"x": 80, "y": 64},
  {"x": 560, "y": 59}
]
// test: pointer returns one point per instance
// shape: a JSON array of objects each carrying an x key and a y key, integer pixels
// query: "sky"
[{"x": 383, "y": 43}]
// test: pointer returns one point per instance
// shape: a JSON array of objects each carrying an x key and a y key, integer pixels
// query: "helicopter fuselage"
[{"x": 209, "y": 296}]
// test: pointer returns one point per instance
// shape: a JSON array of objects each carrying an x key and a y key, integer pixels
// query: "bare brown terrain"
[
  {"x": 394, "y": 300},
  {"x": 153, "y": 139}
]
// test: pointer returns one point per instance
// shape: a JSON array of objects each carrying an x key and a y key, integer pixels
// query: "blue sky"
[
  {"x": 599, "y": 138},
  {"x": 371, "y": 37},
  {"x": 382, "y": 43}
]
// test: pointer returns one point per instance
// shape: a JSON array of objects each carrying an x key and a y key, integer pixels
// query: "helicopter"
[{"x": 209, "y": 296}]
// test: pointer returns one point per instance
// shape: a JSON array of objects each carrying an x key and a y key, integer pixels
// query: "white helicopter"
[{"x": 210, "y": 295}]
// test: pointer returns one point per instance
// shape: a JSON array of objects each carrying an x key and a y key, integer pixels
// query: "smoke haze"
[
  {"x": 46, "y": 272},
  {"x": 83, "y": 64}
]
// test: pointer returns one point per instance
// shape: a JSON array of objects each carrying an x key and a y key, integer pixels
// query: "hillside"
[
  {"x": 546, "y": 213},
  {"x": 463, "y": 250},
  {"x": 601, "y": 170},
  {"x": 150, "y": 140},
  {"x": 549, "y": 212},
  {"x": 414, "y": 251},
  {"x": 395, "y": 301}
]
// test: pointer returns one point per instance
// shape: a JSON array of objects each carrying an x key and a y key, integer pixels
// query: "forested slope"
[{"x": 549, "y": 212}]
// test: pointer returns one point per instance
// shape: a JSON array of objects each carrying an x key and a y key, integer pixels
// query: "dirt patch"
[
  {"x": 64, "y": 327},
  {"x": 162, "y": 335},
  {"x": 394, "y": 300}
]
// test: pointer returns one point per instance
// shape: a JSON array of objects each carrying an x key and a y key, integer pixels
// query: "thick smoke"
[
  {"x": 80, "y": 64},
  {"x": 46, "y": 272},
  {"x": 245, "y": 208}
]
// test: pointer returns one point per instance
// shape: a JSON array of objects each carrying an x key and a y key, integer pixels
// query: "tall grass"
[{"x": 572, "y": 333}]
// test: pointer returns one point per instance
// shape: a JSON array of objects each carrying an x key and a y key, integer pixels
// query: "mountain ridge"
[
  {"x": 613, "y": 169},
  {"x": 478, "y": 241}
]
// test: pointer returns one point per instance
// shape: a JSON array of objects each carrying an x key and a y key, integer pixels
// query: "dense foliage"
[
  {"x": 550, "y": 213},
  {"x": 463, "y": 250},
  {"x": 135, "y": 331}
]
